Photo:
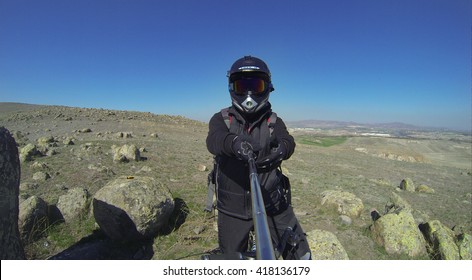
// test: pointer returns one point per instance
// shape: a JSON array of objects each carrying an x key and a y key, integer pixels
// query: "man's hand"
[
  {"x": 277, "y": 153},
  {"x": 241, "y": 146}
]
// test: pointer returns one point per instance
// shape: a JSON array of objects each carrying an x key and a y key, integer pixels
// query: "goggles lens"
[{"x": 254, "y": 85}]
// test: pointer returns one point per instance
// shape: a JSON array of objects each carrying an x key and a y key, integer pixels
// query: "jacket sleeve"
[
  {"x": 281, "y": 132},
  {"x": 219, "y": 139}
]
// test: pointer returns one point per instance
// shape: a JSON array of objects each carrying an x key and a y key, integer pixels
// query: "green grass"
[
  {"x": 321, "y": 141},
  {"x": 58, "y": 237},
  {"x": 63, "y": 235}
]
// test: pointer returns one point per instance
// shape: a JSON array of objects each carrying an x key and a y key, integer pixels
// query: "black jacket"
[{"x": 232, "y": 174}]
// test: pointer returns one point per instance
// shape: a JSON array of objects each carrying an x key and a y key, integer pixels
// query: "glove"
[
  {"x": 277, "y": 153},
  {"x": 242, "y": 146}
]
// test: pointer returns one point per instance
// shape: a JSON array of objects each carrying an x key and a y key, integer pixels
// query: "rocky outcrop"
[
  {"x": 10, "y": 243},
  {"x": 445, "y": 243},
  {"x": 324, "y": 245},
  {"x": 399, "y": 234},
  {"x": 442, "y": 241},
  {"x": 397, "y": 231},
  {"x": 132, "y": 209}
]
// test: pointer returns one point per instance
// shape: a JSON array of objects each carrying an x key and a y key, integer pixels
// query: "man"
[{"x": 251, "y": 122}]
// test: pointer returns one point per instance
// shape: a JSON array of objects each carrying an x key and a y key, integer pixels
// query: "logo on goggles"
[{"x": 242, "y": 68}]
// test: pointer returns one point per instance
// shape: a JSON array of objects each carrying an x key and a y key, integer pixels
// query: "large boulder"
[
  {"x": 33, "y": 218},
  {"x": 126, "y": 153},
  {"x": 10, "y": 244},
  {"x": 344, "y": 203},
  {"x": 132, "y": 208},
  {"x": 441, "y": 239},
  {"x": 399, "y": 234},
  {"x": 73, "y": 203},
  {"x": 324, "y": 245},
  {"x": 464, "y": 242},
  {"x": 407, "y": 185}
]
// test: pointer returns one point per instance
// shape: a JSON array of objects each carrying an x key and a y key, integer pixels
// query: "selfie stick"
[{"x": 264, "y": 247}]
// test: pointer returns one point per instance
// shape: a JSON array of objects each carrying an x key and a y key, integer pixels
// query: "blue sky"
[{"x": 368, "y": 61}]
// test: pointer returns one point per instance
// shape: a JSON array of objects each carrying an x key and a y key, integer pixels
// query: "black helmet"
[{"x": 249, "y": 83}]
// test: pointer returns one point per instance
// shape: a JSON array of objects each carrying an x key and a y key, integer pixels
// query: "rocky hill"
[{"x": 107, "y": 184}]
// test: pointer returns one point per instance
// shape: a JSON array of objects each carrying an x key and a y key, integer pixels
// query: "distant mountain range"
[
  {"x": 394, "y": 128},
  {"x": 397, "y": 127},
  {"x": 322, "y": 124}
]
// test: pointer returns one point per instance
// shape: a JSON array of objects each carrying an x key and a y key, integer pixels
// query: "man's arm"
[
  {"x": 219, "y": 139},
  {"x": 281, "y": 132}
]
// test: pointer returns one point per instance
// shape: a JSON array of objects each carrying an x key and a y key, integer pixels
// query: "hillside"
[{"x": 174, "y": 152}]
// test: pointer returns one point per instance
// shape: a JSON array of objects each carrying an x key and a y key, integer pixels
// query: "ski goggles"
[{"x": 254, "y": 85}]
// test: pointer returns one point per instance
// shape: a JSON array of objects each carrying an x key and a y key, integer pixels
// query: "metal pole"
[{"x": 264, "y": 247}]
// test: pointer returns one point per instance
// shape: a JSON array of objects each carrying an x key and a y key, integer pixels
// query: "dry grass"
[{"x": 319, "y": 164}]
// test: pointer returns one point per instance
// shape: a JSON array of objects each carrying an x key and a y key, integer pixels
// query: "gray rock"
[
  {"x": 73, "y": 203},
  {"x": 124, "y": 135},
  {"x": 68, "y": 141},
  {"x": 28, "y": 152},
  {"x": 132, "y": 209},
  {"x": 202, "y": 168},
  {"x": 399, "y": 234},
  {"x": 41, "y": 176},
  {"x": 345, "y": 203},
  {"x": 424, "y": 189},
  {"x": 10, "y": 244},
  {"x": 33, "y": 218},
  {"x": 145, "y": 169},
  {"x": 39, "y": 165},
  {"x": 20, "y": 138},
  {"x": 441, "y": 240},
  {"x": 345, "y": 220},
  {"x": 46, "y": 141},
  {"x": 407, "y": 185},
  {"x": 126, "y": 153},
  {"x": 324, "y": 245},
  {"x": 396, "y": 204},
  {"x": 464, "y": 242},
  {"x": 26, "y": 186},
  {"x": 199, "y": 229}
]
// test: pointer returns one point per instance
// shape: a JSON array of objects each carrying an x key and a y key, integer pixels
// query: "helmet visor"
[{"x": 254, "y": 85}]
